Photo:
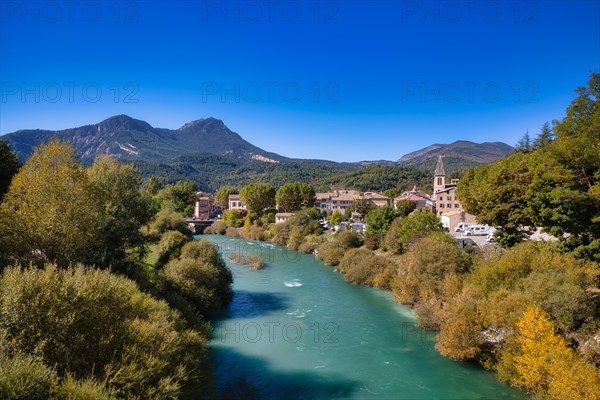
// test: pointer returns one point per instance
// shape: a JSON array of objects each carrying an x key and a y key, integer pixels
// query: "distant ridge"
[
  {"x": 208, "y": 152},
  {"x": 457, "y": 155},
  {"x": 131, "y": 139}
]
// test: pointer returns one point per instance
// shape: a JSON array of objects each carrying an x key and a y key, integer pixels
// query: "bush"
[
  {"x": 25, "y": 377},
  {"x": 363, "y": 267},
  {"x": 303, "y": 223},
  {"x": 201, "y": 276},
  {"x": 311, "y": 243},
  {"x": 217, "y": 228},
  {"x": 93, "y": 324},
  {"x": 281, "y": 233},
  {"x": 168, "y": 221},
  {"x": 255, "y": 262},
  {"x": 232, "y": 232},
  {"x": 254, "y": 232},
  {"x": 169, "y": 246},
  {"x": 426, "y": 269},
  {"x": 331, "y": 251},
  {"x": 349, "y": 239},
  {"x": 88, "y": 389},
  {"x": 373, "y": 242}
]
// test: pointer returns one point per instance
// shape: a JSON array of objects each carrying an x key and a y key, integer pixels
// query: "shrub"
[
  {"x": 311, "y": 243},
  {"x": 303, "y": 223},
  {"x": 373, "y": 242},
  {"x": 424, "y": 269},
  {"x": 217, "y": 228},
  {"x": 362, "y": 266},
  {"x": 88, "y": 389},
  {"x": 255, "y": 262},
  {"x": 254, "y": 232},
  {"x": 167, "y": 221},
  {"x": 349, "y": 239},
  {"x": 25, "y": 377},
  {"x": 201, "y": 276},
  {"x": 281, "y": 233},
  {"x": 232, "y": 232},
  {"x": 93, "y": 324},
  {"x": 331, "y": 251},
  {"x": 169, "y": 246}
]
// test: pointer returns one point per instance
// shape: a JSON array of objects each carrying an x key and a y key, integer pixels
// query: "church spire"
[
  {"x": 439, "y": 177},
  {"x": 439, "y": 167}
]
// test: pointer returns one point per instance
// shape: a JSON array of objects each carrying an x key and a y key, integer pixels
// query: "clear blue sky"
[{"x": 340, "y": 80}]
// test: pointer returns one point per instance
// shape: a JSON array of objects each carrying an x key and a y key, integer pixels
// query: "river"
[{"x": 297, "y": 330}]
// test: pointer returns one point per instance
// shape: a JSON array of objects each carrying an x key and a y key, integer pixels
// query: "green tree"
[
  {"x": 303, "y": 223},
  {"x": 404, "y": 231},
  {"x": 405, "y": 207},
  {"x": 524, "y": 144},
  {"x": 361, "y": 206},
  {"x": 233, "y": 218},
  {"x": 335, "y": 218},
  {"x": 121, "y": 212},
  {"x": 222, "y": 196},
  {"x": 544, "y": 138},
  {"x": 258, "y": 197},
  {"x": 9, "y": 165},
  {"x": 294, "y": 196},
  {"x": 52, "y": 208},
  {"x": 496, "y": 194},
  {"x": 556, "y": 188},
  {"x": 65, "y": 214},
  {"x": 153, "y": 185},
  {"x": 379, "y": 220},
  {"x": 392, "y": 193},
  {"x": 179, "y": 197}
]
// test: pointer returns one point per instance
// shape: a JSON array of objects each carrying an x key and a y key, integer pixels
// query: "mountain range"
[
  {"x": 207, "y": 151},
  {"x": 131, "y": 139}
]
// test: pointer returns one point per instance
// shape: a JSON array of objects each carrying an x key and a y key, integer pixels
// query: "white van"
[
  {"x": 478, "y": 230},
  {"x": 462, "y": 227}
]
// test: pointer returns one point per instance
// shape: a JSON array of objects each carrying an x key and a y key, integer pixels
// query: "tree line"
[
  {"x": 104, "y": 294},
  {"x": 529, "y": 311}
]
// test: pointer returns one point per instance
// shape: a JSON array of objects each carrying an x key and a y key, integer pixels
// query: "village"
[{"x": 443, "y": 202}]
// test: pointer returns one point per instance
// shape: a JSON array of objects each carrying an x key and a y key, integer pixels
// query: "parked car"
[
  {"x": 478, "y": 230},
  {"x": 465, "y": 242},
  {"x": 490, "y": 237},
  {"x": 462, "y": 227}
]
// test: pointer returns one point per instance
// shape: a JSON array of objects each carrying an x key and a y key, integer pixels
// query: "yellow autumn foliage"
[{"x": 547, "y": 366}]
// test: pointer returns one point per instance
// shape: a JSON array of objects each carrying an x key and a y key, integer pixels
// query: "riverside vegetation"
[
  {"x": 103, "y": 292},
  {"x": 530, "y": 311}
]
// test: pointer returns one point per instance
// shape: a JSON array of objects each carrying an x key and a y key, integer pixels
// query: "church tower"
[{"x": 439, "y": 176}]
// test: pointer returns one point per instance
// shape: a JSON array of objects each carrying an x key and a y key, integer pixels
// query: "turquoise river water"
[{"x": 297, "y": 330}]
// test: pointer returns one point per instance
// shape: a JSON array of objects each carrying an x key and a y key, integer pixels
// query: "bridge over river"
[{"x": 199, "y": 224}]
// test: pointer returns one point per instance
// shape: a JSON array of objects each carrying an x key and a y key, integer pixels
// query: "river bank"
[{"x": 297, "y": 330}]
